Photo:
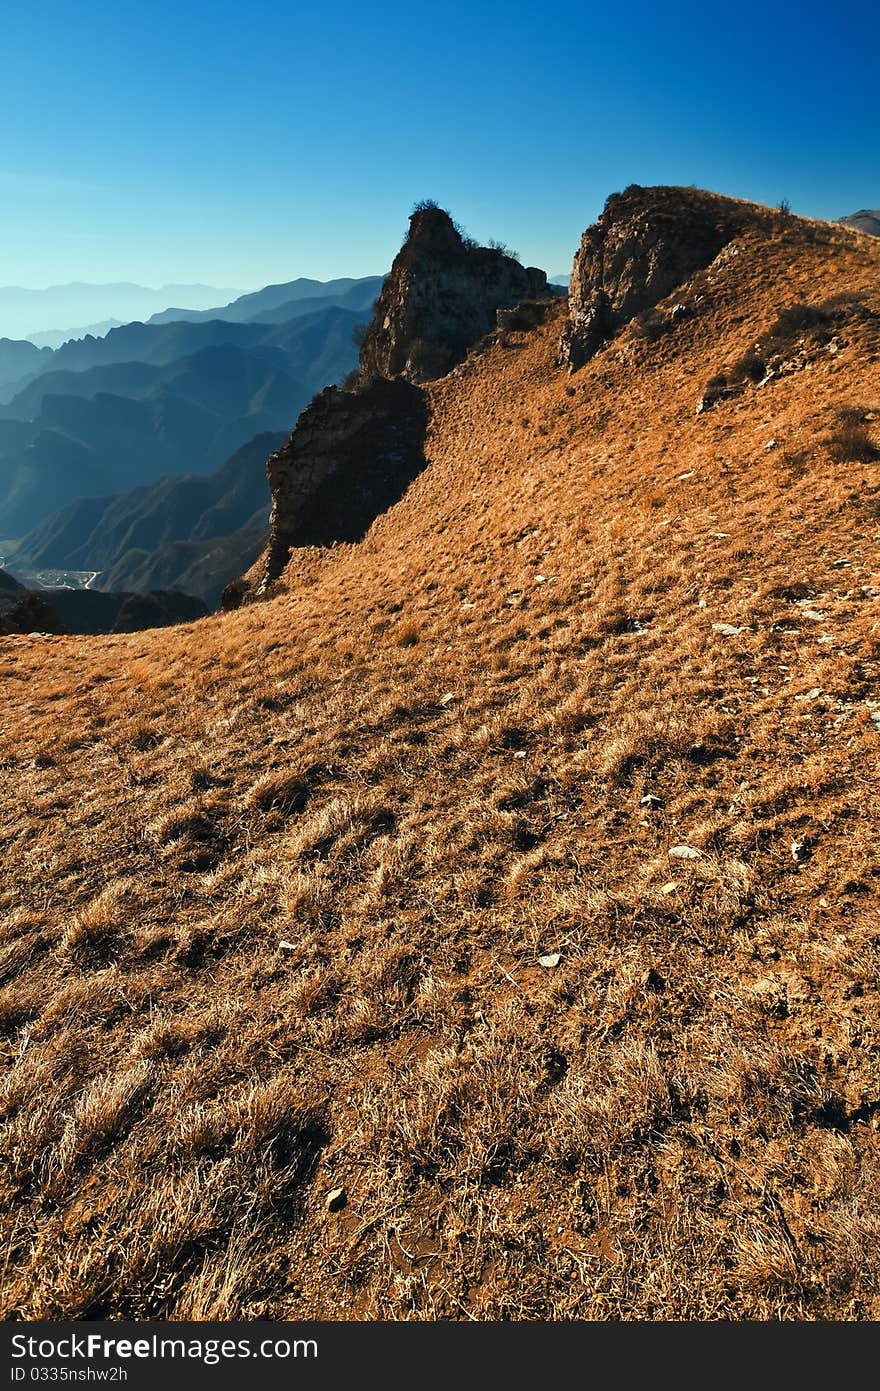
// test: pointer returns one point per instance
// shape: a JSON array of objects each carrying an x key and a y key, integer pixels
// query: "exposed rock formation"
[
  {"x": 352, "y": 454},
  {"x": 799, "y": 338},
  {"x": 442, "y": 295},
  {"x": 647, "y": 242}
]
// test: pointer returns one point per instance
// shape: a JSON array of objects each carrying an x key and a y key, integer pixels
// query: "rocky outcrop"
[
  {"x": 351, "y": 456},
  {"x": 800, "y": 337},
  {"x": 647, "y": 242},
  {"x": 442, "y": 295},
  {"x": 354, "y": 452}
]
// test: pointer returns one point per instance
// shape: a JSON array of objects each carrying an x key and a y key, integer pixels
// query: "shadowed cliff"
[{"x": 354, "y": 452}]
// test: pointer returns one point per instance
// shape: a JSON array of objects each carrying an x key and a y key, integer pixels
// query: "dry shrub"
[
  {"x": 850, "y": 440},
  {"x": 94, "y": 934},
  {"x": 278, "y": 1119},
  {"x": 343, "y": 825},
  {"x": 172, "y": 1035},
  {"x": 280, "y": 789},
  {"x": 191, "y": 820},
  {"x": 595, "y": 1111},
  {"x": 466, "y": 1116},
  {"x": 651, "y": 739},
  {"x": 221, "y": 1287},
  {"x": 767, "y": 1260},
  {"x": 407, "y": 634},
  {"x": 103, "y": 1114},
  {"x": 310, "y": 900},
  {"x": 396, "y": 858}
]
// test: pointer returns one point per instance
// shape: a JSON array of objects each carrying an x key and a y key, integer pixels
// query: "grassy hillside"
[{"x": 513, "y": 870}]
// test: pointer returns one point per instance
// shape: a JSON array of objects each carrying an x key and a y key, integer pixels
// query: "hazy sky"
[{"x": 241, "y": 144}]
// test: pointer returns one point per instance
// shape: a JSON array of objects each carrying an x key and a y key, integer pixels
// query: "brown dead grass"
[{"x": 276, "y": 886}]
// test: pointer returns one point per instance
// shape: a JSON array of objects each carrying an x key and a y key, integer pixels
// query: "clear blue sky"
[{"x": 238, "y": 144}]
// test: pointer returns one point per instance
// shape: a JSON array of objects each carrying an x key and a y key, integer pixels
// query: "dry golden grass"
[{"x": 276, "y": 887}]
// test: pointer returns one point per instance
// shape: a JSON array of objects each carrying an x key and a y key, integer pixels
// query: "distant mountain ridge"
[
  {"x": 165, "y": 336},
  {"x": 166, "y": 340},
  {"x": 87, "y": 432},
  {"x": 355, "y": 292},
  {"x": 140, "y": 451},
  {"x": 20, "y": 360},
  {"x": 54, "y": 337},
  {"x": 867, "y": 220},
  {"x": 188, "y": 532},
  {"x": 25, "y": 311}
]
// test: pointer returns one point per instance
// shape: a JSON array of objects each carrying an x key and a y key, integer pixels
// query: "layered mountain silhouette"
[
  {"x": 276, "y": 301},
  {"x": 26, "y": 311},
  {"x": 299, "y": 332},
  {"x": 192, "y": 532},
  {"x": 151, "y": 400},
  {"x": 20, "y": 360},
  {"x": 55, "y": 337}
]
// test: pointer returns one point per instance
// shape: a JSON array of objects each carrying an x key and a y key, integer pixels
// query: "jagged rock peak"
[
  {"x": 432, "y": 232},
  {"x": 646, "y": 243},
  {"x": 442, "y": 295}
]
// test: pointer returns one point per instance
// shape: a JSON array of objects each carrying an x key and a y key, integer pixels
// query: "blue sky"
[{"x": 179, "y": 140}]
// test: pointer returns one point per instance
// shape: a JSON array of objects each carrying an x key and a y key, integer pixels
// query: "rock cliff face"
[
  {"x": 352, "y": 454},
  {"x": 442, "y": 295},
  {"x": 647, "y": 242}
]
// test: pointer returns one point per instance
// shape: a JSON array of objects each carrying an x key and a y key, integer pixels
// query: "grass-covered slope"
[{"x": 513, "y": 870}]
